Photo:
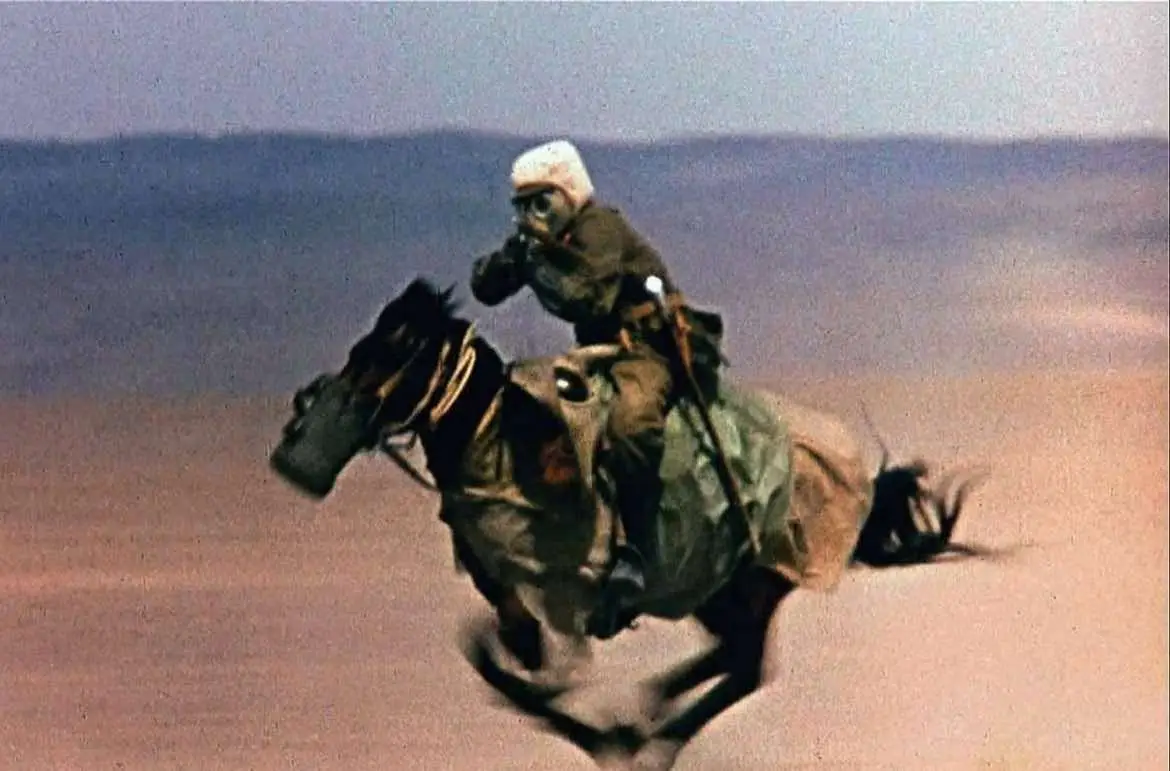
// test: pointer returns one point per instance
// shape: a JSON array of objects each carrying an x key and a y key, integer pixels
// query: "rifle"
[{"x": 655, "y": 288}]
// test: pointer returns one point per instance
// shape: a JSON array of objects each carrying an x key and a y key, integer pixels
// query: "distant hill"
[
  {"x": 244, "y": 261},
  {"x": 306, "y": 182}
]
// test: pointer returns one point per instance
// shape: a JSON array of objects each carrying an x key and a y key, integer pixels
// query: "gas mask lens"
[{"x": 537, "y": 206}]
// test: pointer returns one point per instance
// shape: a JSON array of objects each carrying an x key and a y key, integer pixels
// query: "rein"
[
  {"x": 387, "y": 446},
  {"x": 455, "y": 383}
]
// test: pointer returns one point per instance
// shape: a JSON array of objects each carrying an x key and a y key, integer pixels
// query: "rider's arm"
[
  {"x": 589, "y": 266},
  {"x": 500, "y": 275}
]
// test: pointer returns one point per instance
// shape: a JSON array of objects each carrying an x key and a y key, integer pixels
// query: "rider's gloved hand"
[
  {"x": 516, "y": 249},
  {"x": 499, "y": 275}
]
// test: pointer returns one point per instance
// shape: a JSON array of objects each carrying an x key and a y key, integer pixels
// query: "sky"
[{"x": 633, "y": 71}]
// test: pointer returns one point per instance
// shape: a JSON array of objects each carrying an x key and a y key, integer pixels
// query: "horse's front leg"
[
  {"x": 538, "y": 702},
  {"x": 519, "y": 631},
  {"x": 520, "y": 634}
]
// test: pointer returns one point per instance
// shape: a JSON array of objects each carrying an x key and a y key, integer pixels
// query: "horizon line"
[{"x": 664, "y": 141}]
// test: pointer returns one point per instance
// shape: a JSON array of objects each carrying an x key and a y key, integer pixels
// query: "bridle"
[{"x": 443, "y": 390}]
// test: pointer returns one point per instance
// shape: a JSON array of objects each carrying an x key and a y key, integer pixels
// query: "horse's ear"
[
  {"x": 419, "y": 292},
  {"x": 421, "y": 301},
  {"x": 448, "y": 304},
  {"x": 410, "y": 303}
]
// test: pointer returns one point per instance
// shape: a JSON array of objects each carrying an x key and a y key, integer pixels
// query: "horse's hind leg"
[
  {"x": 739, "y": 615},
  {"x": 685, "y": 677}
]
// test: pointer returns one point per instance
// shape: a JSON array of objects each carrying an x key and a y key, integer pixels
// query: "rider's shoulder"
[{"x": 597, "y": 216}]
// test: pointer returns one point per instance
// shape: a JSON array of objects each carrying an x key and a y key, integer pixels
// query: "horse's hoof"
[
  {"x": 512, "y": 687},
  {"x": 620, "y": 745},
  {"x": 629, "y": 738}
]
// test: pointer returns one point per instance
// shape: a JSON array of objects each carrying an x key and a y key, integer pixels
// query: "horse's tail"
[{"x": 912, "y": 521}]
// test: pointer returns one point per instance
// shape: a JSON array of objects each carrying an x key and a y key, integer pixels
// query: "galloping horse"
[{"x": 515, "y": 452}]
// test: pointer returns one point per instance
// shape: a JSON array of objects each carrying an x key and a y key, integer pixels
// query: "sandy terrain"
[{"x": 168, "y": 603}]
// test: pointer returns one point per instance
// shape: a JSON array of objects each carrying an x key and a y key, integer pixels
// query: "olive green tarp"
[{"x": 801, "y": 481}]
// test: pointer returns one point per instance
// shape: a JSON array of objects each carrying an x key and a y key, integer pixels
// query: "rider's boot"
[
  {"x": 638, "y": 497},
  {"x": 638, "y": 510}
]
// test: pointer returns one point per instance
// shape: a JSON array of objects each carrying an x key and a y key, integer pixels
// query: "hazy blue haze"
[{"x": 250, "y": 263}]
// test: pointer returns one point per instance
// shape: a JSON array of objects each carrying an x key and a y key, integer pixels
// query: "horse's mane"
[
  {"x": 421, "y": 306},
  {"x": 423, "y": 301}
]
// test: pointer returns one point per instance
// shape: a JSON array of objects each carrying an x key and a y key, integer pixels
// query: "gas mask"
[{"x": 543, "y": 214}]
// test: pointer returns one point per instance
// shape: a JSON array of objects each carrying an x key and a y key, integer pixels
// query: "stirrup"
[
  {"x": 628, "y": 573},
  {"x": 626, "y": 581}
]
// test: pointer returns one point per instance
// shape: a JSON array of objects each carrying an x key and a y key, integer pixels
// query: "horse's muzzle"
[{"x": 331, "y": 427}]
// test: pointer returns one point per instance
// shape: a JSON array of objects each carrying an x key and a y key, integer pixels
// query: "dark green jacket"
[{"x": 592, "y": 279}]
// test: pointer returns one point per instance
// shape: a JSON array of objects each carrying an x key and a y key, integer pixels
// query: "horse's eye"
[{"x": 571, "y": 386}]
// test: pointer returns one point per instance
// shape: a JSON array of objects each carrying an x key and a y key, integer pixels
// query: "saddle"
[{"x": 574, "y": 392}]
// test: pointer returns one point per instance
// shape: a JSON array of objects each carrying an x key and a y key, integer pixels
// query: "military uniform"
[{"x": 591, "y": 273}]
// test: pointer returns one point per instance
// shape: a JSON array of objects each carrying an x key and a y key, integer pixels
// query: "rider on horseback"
[{"x": 587, "y": 266}]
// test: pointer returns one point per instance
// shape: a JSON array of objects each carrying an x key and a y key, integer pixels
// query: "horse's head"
[
  {"x": 398, "y": 365},
  {"x": 390, "y": 382}
]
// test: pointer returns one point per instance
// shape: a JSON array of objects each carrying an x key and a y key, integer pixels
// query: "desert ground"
[{"x": 169, "y": 603}]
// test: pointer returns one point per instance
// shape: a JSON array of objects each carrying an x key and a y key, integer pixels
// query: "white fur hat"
[{"x": 554, "y": 164}]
